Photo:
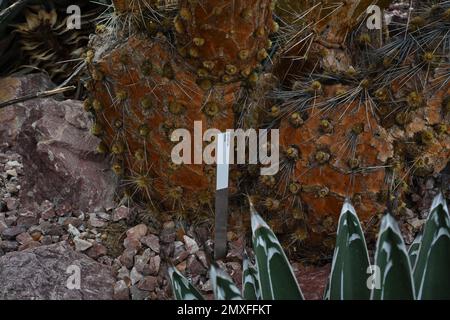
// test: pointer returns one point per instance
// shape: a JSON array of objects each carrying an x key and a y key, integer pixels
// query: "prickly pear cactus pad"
[{"x": 143, "y": 88}]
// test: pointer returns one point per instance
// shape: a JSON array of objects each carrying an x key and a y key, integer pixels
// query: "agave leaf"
[
  {"x": 181, "y": 287},
  {"x": 431, "y": 272},
  {"x": 223, "y": 286},
  {"x": 414, "y": 250},
  {"x": 276, "y": 277},
  {"x": 348, "y": 279},
  {"x": 250, "y": 285},
  {"x": 393, "y": 276}
]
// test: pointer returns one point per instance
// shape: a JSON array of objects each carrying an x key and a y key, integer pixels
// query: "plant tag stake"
[{"x": 223, "y": 168}]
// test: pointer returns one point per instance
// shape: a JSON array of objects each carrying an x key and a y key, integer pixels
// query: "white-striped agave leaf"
[
  {"x": 393, "y": 275},
  {"x": 276, "y": 277},
  {"x": 431, "y": 272},
  {"x": 348, "y": 279},
  {"x": 414, "y": 250},
  {"x": 222, "y": 285},
  {"x": 250, "y": 285},
  {"x": 181, "y": 287}
]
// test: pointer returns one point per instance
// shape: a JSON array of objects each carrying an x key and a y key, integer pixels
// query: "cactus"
[
  {"x": 361, "y": 112},
  {"x": 147, "y": 82}
]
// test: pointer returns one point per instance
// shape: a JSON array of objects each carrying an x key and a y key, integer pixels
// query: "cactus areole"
[{"x": 360, "y": 112}]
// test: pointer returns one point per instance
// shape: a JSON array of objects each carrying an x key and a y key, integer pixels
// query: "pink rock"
[
  {"x": 152, "y": 268},
  {"x": 152, "y": 242},
  {"x": 149, "y": 283},
  {"x": 24, "y": 238},
  {"x": 121, "y": 213},
  {"x": 97, "y": 250},
  {"x": 127, "y": 258},
  {"x": 29, "y": 245},
  {"x": 121, "y": 291},
  {"x": 137, "y": 232},
  {"x": 312, "y": 280}
]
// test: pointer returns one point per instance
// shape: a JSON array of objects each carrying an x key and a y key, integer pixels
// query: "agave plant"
[{"x": 396, "y": 274}]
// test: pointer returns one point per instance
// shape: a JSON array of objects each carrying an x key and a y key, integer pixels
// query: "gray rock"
[
  {"x": 42, "y": 274},
  {"x": 81, "y": 245},
  {"x": 12, "y": 232}
]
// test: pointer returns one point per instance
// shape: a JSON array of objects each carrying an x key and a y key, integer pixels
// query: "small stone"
[
  {"x": 135, "y": 276},
  {"x": 12, "y": 204},
  {"x": 95, "y": 222},
  {"x": 12, "y": 232},
  {"x": 97, "y": 250},
  {"x": 123, "y": 273},
  {"x": 121, "y": 291},
  {"x": 152, "y": 242},
  {"x": 3, "y": 225},
  {"x": 202, "y": 257},
  {"x": 51, "y": 229},
  {"x": 181, "y": 266},
  {"x": 11, "y": 173},
  {"x": 76, "y": 222},
  {"x": 191, "y": 245},
  {"x": 9, "y": 245},
  {"x": 206, "y": 287},
  {"x": 47, "y": 210},
  {"x": 132, "y": 243},
  {"x": 27, "y": 221},
  {"x": 46, "y": 240},
  {"x": 152, "y": 268},
  {"x": 73, "y": 231},
  {"x": 104, "y": 216},
  {"x": 81, "y": 245},
  {"x": 137, "y": 232},
  {"x": 141, "y": 261},
  {"x": 194, "y": 266},
  {"x": 127, "y": 258},
  {"x": 36, "y": 235},
  {"x": 29, "y": 245},
  {"x": 148, "y": 283},
  {"x": 24, "y": 238},
  {"x": 138, "y": 294},
  {"x": 121, "y": 213}
]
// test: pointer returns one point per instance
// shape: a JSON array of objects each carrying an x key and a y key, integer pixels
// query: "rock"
[
  {"x": 95, "y": 222},
  {"x": 24, "y": 238},
  {"x": 168, "y": 235},
  {"x": 194, "y": 266},
  {"x": 152, "y": 268},
  {"x": 51, "y": 229},
  {"x": 73, "y": 231},
  {"x": 137, "y": 232},
  {"x": 121, "y": 213},
  {"x": 27, "y": 221},
  {"x": 36, "y": 235},
  {"x": 76, "y": 222},
  {"x": 47, "y": 210},
  {"x": 12, "y": 204},
  {"x": 135, "y": 276},
  {"x": 44, "y": 273},
  {"x": 191, "y": 245},
  {"x": 58, "y": 151},
  {"x": 81, "y": 245},
  {"x": 12, "y": 232},
  {"x": 121, "y": 291},
  {"x": 202, "y": 257},
  {"x": 141, "y": 261},
  {"x": 181, "y": 266},
  {"x": 29, "y": 245},
  {"x": 123, "y": 274},
  {"x": 152, "y": 242},
  {"x": 97, "y": 250},
  {"x": 132, "y": 243},
  {"x": 127, "y": 258},
  {"x": 138, "y": 294},
  {"x": 148, "y": 283},
  {"x": 8, "y": 246},
  {"x": 103, "y": 215}
]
